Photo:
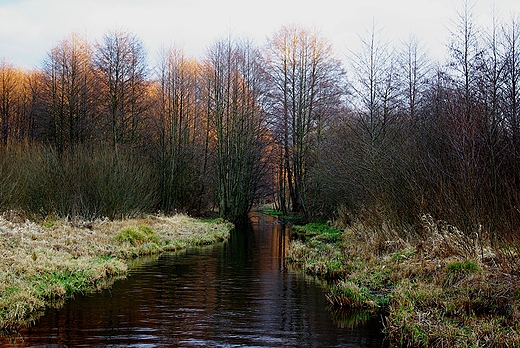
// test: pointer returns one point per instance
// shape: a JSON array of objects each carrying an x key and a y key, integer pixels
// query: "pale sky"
[{"x": 30, "y": 28}]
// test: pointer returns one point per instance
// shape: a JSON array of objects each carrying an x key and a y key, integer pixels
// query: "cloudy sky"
[{"x": 30, "y": 28}]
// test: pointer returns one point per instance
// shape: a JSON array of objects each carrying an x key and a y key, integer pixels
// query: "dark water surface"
[{"x": 234, "y": 294}]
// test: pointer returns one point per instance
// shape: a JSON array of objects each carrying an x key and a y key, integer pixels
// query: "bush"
[{"x": 89, "y": 182}]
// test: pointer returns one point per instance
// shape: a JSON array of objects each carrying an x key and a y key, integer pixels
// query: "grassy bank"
[
  {"x": 43, "y": 263},
  {"x": 443, "y": 289}
]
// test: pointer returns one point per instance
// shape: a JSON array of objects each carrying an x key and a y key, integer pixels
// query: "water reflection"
[{"x": 237, "y": 293}]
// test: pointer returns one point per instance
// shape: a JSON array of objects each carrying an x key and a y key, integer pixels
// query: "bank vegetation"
[
  {"x": 42, "y": 264},
  {"x": 382, "y": 136},
  {"x": 441, "y": 290}
]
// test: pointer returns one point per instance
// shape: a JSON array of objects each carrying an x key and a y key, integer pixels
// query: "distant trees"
[
  {"x": 466, "y": 164},
  {"x": 401, "y": 138},
  {"x": 463, "y": 141},
  {"x": 87, "y": 92},
  {"x": 423, "y": 138}
]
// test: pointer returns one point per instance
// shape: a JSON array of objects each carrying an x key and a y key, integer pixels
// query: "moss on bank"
[
  {"x": 42, "y": 264},
  {"x": 442, "y": 290}
]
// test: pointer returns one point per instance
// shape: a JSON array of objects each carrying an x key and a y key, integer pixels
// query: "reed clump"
[
  {"x": 43, "y": 263},
  {"x": 442, "y": 289}
]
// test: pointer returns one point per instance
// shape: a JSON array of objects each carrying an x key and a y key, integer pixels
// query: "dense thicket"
[
  {"x": 96, "y": 132},
  {"x": 430, "y": 138},
  {"x": 401, "y": 137}
]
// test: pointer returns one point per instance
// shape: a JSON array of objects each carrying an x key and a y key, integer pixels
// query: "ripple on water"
[{"x": 235, "y": 294}]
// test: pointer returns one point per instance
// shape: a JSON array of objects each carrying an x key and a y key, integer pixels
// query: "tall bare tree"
[
  {"x": 179, "y": 126},
  {"x": 511, "y": 91},
  {"x": 376, "y": 95},
  {"x": 16, "y": 102},
  {"x": 304, "y": 79},
  {"x": 120, "y": 62},
  {"x": 8, "y": 88},
  {"x": 232, "y": 82},
  {"x": 69, "y": 100},
  {"x": 415, "y": 67}
]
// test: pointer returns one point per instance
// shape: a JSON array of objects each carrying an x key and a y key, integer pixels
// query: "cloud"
[{"x": 30, "y": 28}]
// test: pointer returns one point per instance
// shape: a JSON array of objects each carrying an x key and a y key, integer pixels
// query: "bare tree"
[
  {"x": 179, "y": 126},
  {"x": 8, "y": 87},
  {"x": 304, "y": 81},
  {"x": 232, "y": 88},
  {"x": 463, "y": 117},
  {"x": 376, "y": 95},
  {"x": 511, "y": 87},
  {"x": 68, "y": 99},
  {"x": 120, "y": 62},
  {"x": 415, "y": 69}
]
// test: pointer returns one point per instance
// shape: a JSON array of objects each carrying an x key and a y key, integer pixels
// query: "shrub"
[{"x": 89, "y": 182}]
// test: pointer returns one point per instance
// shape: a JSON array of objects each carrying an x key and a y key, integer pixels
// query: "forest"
[{"x": 385, "y": 135}]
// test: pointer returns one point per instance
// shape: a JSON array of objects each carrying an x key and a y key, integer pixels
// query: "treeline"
[
  {"x": 430, "y": 138},
  {"x": 389, "y": 136},
  {"x": 95, "y": 132}
]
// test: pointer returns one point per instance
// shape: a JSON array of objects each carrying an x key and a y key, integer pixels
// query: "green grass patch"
[
  {"x": 349, "y": 294},
  {"x": 403, "y": 255},
  {"x": 48, "y": 224},
  {"x": 292, "y": 218},
  {"x": 314, "y": 228},
  {"x": 61, "y": 283},
  {"x": 317, "y": 232},
  {"x": 466, "y": 266},
  {"x": 458, "y": 270},
  {"x": 273, "y": 212},
  {"x": 137, "y": 235}
]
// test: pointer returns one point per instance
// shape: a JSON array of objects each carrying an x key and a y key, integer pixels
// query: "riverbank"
[
  {"x": 43, "y": 263},
  {"x": 441, "y": 290}
]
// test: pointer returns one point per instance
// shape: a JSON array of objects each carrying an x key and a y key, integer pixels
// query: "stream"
[{"x": 239, "y": 293}]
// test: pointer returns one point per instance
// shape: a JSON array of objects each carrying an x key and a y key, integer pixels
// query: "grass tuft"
[
  {"x": 466, "y": 266},
  {"x": 349, "y": 294},
  {"x": 137, "y": 235}
]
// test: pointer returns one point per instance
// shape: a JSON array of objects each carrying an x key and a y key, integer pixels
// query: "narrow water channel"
[{"x": 233, "y": 294}]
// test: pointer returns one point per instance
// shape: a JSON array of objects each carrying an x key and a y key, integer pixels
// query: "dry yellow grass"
[
  {"x": 445, "y": 289},
  {"x": 42, "y": 263}
]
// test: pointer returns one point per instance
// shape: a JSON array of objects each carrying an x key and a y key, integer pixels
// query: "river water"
[{"x": 234, "y": 294}]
